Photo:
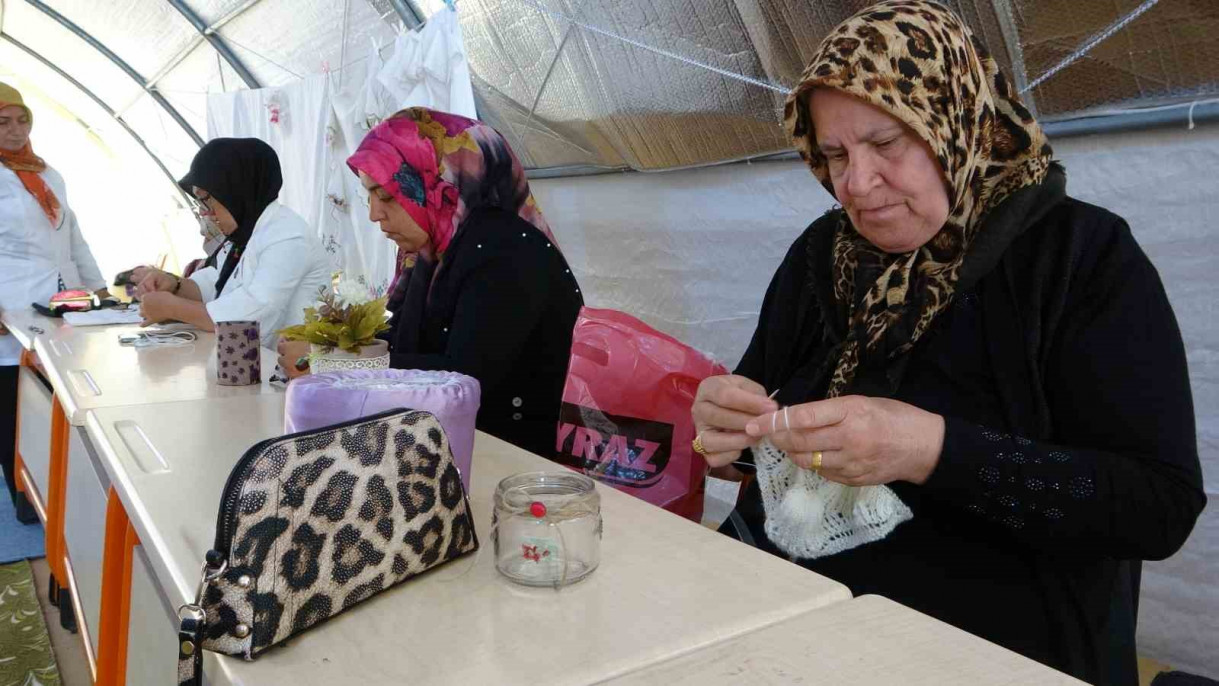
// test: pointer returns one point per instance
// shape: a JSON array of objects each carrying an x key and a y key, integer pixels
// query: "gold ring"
[
  {"x": 817, "y": 460},
  {"x": 697, "y": 444}
]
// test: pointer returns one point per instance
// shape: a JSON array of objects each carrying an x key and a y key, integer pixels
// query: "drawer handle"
[
  {"x": 82, "y": 378},
  {"x": 60, "y": 348},
  {"x": 146, "y": 456}
]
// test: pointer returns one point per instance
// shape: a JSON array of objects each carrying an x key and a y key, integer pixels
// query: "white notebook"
[{"x": 103, "y": 317}]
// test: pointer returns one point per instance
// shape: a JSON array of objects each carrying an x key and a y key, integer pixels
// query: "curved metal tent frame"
[
  {"x": 118, "y": 62},
  {"x": 406, "y": 10},
  {"x": 92, "y": 96},
  {"x": 209, "y": 34}
]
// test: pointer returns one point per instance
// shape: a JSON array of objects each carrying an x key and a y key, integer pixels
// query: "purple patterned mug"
[{"x": 238, "y": 354}]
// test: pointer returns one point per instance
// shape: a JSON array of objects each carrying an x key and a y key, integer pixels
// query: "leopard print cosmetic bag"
[{"x": 313, "y": 523}]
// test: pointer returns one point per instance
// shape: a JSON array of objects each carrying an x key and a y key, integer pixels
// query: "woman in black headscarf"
[{"x": 275, "y": 264}]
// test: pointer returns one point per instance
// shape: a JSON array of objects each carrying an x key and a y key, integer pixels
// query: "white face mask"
[{"x": 211, "y": 234}]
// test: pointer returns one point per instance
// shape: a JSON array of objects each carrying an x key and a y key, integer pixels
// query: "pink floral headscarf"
[{"x": 441, "y": 167}]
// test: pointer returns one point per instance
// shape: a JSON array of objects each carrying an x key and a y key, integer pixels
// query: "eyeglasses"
[{"x": 202, "y": 207}]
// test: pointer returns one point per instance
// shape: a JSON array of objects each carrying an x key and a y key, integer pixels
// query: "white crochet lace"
[
  {"x": 809, "y": 516},
  {"x": 431, "y": 379},
  {"x": 323, "y": 363}
]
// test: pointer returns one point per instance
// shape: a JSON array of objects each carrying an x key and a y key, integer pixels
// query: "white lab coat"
[
  {"x": 281, "y": 272},
  {"x": 34, "y": 255}
]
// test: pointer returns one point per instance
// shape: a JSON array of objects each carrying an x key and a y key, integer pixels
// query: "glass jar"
[{"x": 547, "y": 528}]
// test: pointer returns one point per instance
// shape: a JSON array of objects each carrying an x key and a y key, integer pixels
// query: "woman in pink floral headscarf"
[{"x": 490, "y": 294}]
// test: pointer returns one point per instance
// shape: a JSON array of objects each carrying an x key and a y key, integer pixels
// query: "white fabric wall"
[
  {"x": 692, "y": 252},
  {"x": 322, "y": 120},
  {"x": 298, "y": 137}
]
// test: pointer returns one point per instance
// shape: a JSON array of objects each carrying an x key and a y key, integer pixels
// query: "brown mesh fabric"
[
  {"x": 1168, "y": 53},
  {"x": 567, "y": 96}
]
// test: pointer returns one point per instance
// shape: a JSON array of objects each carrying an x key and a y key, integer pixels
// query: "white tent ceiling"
[
  {"x": 170, "y": 65},
  {"x": 582, "y": 84}
]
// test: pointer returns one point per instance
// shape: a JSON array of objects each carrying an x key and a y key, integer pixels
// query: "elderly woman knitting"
[{"x": 983, "y": 409}]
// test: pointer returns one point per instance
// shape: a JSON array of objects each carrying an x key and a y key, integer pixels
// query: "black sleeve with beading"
[{"x": 1120, "y": 477}]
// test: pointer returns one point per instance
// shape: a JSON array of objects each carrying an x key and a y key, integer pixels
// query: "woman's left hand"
[
  {"x": 863, "y": 441},
  {"x": 157, "y": 307},
  {"x": 290, "y": 353}
]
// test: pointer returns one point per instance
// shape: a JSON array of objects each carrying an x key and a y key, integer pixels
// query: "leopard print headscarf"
[{"x": 917, "y": 61}]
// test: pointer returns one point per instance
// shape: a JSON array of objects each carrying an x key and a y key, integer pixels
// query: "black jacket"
[
  {"x": 1069, "y": 453},
  {"x": 501, "y": 309}
]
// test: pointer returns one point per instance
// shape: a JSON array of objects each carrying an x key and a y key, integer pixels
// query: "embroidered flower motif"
[{"x": 411, "y": 184}]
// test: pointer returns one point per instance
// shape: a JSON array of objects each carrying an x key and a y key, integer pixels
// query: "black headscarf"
[{"x": 243, "y": 174}]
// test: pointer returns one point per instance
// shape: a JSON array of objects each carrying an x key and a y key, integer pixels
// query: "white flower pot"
[{"x": 323, "y": 359}]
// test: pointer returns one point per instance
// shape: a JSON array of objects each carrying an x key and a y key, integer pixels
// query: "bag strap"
[
  {"x": 190, "y": 645},
  {"x": 191, "y": 625}
]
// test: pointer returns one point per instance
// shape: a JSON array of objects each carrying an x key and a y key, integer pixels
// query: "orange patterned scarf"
[{"x": 28, "y": 166}]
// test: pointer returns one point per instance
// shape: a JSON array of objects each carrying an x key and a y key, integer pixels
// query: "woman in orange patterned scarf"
[{"x": 42, "y": 251}]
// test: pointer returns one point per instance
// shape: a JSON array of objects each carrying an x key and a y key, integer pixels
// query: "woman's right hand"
[
  {"x": 723, "y": 406},
  {"x": 290, "y": 355},
  {"x": 151, "y": 280}
]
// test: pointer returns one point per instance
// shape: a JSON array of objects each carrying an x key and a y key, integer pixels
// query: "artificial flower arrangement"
[{"x": 348, "y": 316}]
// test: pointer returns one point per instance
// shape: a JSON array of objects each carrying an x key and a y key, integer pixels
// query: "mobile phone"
[
  {"x": 124, "y": 278},
  {"x": 129, "y": 338}
]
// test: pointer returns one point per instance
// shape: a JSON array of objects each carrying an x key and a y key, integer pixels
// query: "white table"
[
  {"x": 666, "y": 586},
  {"x": 34, "y": 409},
  {"x": 87, "y": 369},
  {"x": 25, "y": 324},
  {"x": 868, "y": 641}
]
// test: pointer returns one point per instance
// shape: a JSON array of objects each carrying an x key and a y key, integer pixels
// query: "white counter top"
[
  {"x": 868, "y": 641},
  {"x": 89, "y": 369},
  {"x": 25, "y": 325},
  {"x": 665, "y": 586}
]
